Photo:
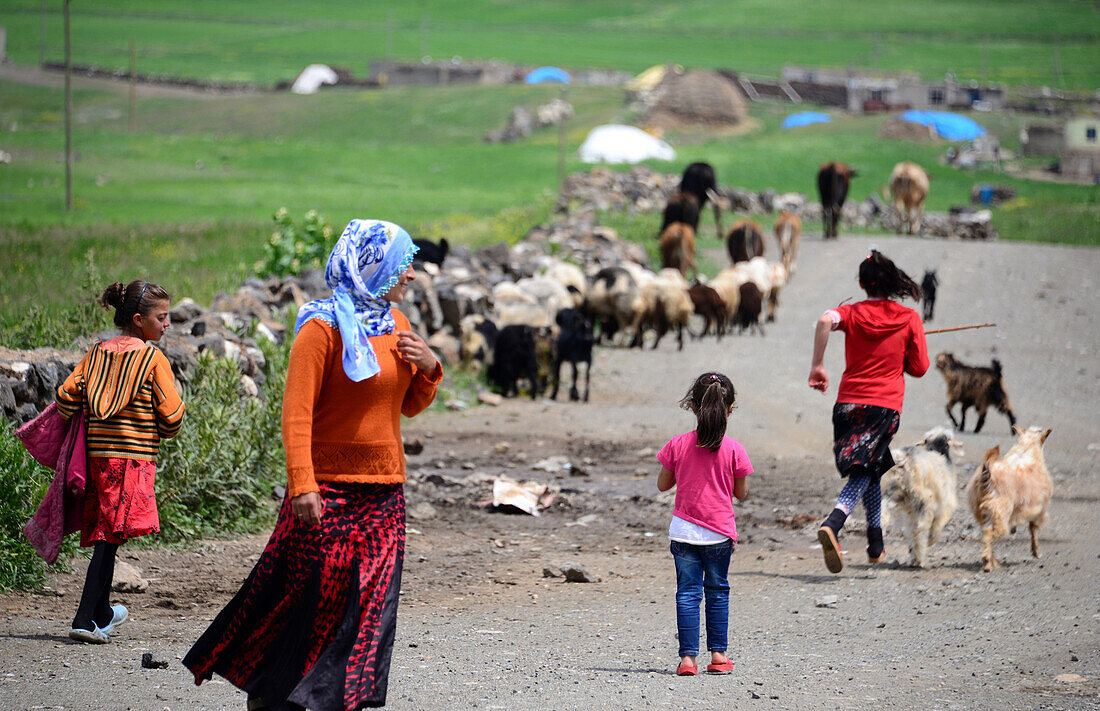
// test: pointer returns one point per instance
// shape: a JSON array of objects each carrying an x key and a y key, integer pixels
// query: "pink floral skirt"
[{"x": 119, "y": 502}]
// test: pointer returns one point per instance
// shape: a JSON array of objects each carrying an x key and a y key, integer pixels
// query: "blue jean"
[{"x": 702, "y": 570}]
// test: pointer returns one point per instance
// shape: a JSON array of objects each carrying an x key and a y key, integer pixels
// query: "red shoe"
[
  {"x": 686, "y": 669},
  {"x": 724, "y": 668}
]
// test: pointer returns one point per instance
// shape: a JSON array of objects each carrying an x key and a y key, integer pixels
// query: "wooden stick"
[{"x": 960, "y": 328}]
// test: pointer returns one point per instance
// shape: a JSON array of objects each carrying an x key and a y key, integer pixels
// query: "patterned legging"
[{"x": 863, "y": 487}]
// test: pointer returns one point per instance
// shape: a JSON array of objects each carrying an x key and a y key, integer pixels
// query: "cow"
[
  {"x": 678, "y": 248},
  {"x": 833, "y": 180},
  {"x": 745, "y": 241},
  {"x": 909, "y": 187}
]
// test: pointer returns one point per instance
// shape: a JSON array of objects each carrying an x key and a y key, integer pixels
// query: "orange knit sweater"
[{"x": 338, "y": 430}]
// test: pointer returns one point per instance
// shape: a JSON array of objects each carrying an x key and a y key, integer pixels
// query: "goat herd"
[{"x": 539, "y": 323}]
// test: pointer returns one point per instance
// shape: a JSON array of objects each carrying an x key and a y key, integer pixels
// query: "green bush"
[
  {"x": 216, "y": 476},
  {"x": 292, "y": 248},
  {"x": 23, "y": 483}
]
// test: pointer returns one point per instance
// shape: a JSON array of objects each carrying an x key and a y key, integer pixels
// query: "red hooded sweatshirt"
[{"x": 883, "y": 340}]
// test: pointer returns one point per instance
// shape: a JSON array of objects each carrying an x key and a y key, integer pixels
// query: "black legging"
[{"x": 95, "y": 600}]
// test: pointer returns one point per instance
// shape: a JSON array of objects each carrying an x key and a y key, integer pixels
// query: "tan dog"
[
  {"x": 1007, "y": 492},
  {"x": 921, "y": 486}
]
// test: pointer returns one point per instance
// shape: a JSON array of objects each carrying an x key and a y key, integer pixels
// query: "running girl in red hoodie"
[{"x": 884, "y": 340}]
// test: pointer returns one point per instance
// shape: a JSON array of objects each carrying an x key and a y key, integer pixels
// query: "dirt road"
[{"x": 480, "y": 627}]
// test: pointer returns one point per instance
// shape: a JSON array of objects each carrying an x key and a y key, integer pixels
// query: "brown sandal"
[{"x": 834, "y": 560}]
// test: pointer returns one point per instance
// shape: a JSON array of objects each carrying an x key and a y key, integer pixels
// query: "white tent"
[
  {"x": 312, "y": 77},
  {"x": 615, "y": 143}
]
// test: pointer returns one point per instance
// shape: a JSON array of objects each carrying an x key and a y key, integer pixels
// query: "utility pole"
[
  {"x": 42, "y": 41},
  {"x": 68, "y": 113},
  {"x": 133, "y": 87},
  {"x": 424, "y": 35}
]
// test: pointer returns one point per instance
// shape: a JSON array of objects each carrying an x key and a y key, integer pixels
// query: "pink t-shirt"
[{"x": 704, "y": 480}]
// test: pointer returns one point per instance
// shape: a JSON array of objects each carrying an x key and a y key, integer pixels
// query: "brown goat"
[
  {"x": 678, "y": 248},
  {"x": 977, "y": 387},
  {"x": 709, "y": 304},
  {"x": 749, "y": 308},
  {"x": 1007, "y": 492},
  {"x": 788, "y": 231},
  {"x": 745, "y": 241}
]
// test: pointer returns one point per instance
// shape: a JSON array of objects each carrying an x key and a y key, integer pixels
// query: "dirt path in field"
[{"x": 480, "y": 627}]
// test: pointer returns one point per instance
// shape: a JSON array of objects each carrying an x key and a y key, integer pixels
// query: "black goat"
[
  {"x": 681, "y": 207},
  {"x": 977, "y": 387},
  {"x": 514, "y": 358},
  {"x": 575, "y": 342},
  {"x": 430, "y": 251},
  {"x": 928, "y": 293}
]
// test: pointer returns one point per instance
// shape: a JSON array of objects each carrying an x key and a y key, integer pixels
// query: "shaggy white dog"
[{"x": 922, "y": 486}]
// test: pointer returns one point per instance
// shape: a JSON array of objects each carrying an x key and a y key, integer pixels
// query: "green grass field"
[
  {"x": 1011, "y": 41},
  {"x": 186, "y": 198}
]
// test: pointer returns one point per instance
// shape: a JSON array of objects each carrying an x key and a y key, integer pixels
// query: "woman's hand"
[
  {"x": 413, "y": 349},
  {"x": 819, "y": 380},
  {"x": 307, "y": 508}
]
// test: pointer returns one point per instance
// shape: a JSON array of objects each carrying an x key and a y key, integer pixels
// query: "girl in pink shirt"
[{"x": 708, "y": 470}]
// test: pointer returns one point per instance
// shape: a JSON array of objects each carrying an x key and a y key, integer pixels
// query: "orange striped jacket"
[{"x": 129, "y": 401}]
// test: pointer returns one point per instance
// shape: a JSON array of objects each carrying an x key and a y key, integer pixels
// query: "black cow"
[{"x": 833, "y": 180}]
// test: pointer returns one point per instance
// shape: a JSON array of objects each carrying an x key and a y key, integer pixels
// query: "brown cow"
[
  {"x": 745, "y": 241},
  {"x": 678, "y": 248},
  {"x": 833, "y": 180},
  {"x": 909, "y": 186},
  {"x": 788, "y": 231}
]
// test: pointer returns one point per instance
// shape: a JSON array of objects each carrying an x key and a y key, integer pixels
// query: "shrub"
[
  {"x": 23, "y": 483},
  {"x": 292, "y": 248},
  {"x": 216, "y": 476}
]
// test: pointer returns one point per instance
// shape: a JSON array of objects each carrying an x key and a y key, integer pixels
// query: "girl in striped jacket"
[{"x": 127, "y": 394}]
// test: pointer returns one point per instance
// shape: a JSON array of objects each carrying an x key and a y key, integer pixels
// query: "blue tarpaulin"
[
  {"x": 543, "y": 75},
  {"x": 805, "y": 118},
  {"x": 951, "y": 126}
]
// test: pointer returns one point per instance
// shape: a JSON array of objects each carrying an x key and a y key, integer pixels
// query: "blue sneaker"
[{"x": 119, "y": 615}]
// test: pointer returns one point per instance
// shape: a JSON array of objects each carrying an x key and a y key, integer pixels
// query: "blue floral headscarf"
[{"x": 366, "y": 262}]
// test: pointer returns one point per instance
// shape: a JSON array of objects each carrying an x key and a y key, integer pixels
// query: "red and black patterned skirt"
[
  {"x": 313, "y": 625},
  {"x": 861, "y": 438}
]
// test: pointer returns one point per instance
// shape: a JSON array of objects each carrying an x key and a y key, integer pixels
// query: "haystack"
[
  {"x": 904, "y": 130},
  {"x": 697, "y": 97}
]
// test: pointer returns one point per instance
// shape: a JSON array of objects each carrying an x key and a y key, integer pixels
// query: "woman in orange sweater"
[
  {"x": 313, "y": 625},
  {"x": 127, "y": 393}
]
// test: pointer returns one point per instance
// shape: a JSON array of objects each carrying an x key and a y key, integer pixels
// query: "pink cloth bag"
[{"x": 59, "y": 445}]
